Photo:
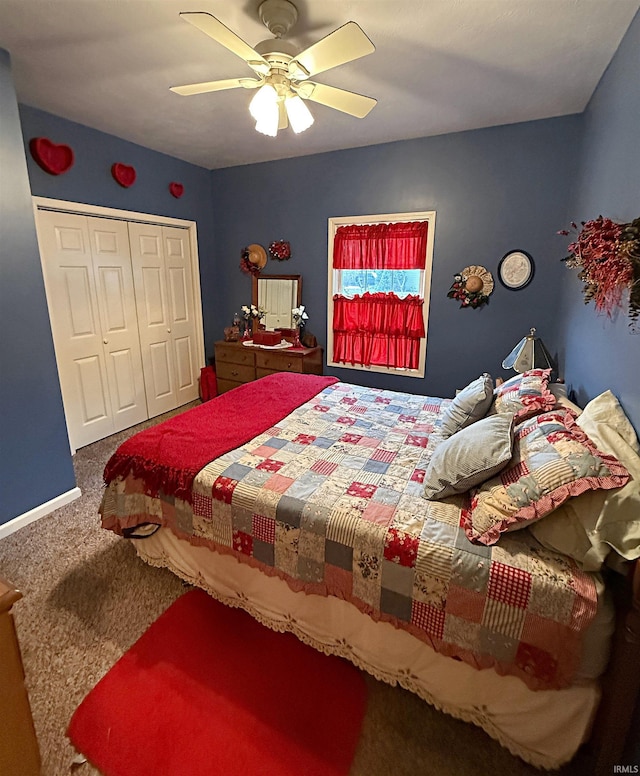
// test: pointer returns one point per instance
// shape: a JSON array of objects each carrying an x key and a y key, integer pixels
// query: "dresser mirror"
[{"x": 278, "y": 295}]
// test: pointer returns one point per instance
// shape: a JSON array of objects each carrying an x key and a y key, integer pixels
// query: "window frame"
[{"x": 387, "y": 218}]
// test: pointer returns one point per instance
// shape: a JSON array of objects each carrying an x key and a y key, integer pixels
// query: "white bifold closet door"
[
  {"x": 87, "y": 267},
  {"x": 123, "y": 326},
  {"x": 164, "y": 299}
]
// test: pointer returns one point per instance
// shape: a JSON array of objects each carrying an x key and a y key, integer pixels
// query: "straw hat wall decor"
[
  {"x": 253, "y": 259},
  {"x": 472, "y": 287}
]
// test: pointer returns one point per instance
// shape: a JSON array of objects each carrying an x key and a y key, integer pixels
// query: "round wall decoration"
[
  {"x": 516, "y": 270},
  {"x": 472, "y": 287}
]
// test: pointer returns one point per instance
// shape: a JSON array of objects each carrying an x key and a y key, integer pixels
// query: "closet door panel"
[
  {"x": 65, "y": 250},
  {"x": 181, "y": 312},
  {"x": 184, "y": 364},
  {"x": 92, "y": 391},
  {"x": 149, "y": 272},
  {"x": 119, "y": 321}
]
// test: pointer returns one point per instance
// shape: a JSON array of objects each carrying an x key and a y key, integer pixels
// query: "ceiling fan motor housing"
[{"x": 278, "y": 16}]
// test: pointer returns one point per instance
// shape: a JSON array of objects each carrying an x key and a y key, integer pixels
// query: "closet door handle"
[
  {"x": 106, "y": 342},
  {"x": 168, "y": 331}
]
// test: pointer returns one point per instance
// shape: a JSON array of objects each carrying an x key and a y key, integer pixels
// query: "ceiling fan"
[{"x": 282, "y": 71}]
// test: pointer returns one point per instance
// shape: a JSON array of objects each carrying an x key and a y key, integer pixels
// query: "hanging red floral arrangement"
[{"x": 608, "y": 255}]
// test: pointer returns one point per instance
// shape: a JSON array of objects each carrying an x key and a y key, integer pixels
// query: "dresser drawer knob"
[{"x": 234, "y": 374}]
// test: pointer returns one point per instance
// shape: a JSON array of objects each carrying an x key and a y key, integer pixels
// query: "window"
[{"x": 379, "y": 281}]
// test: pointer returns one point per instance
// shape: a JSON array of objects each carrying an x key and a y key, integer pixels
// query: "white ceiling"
[{"x": 440, "y": 66}]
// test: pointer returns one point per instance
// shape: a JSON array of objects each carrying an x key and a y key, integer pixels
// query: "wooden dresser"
[
  {"x": 18, "y": 745},
  {"x": 237, "y": 364}
]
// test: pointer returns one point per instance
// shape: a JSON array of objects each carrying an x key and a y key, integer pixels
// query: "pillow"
[
  {"x": 559, "y": 390},
  {"x": 553, "y": 460},
  {"x": 469, "y": 457},
  {"x": 469, "y": 405},
  {"x": 525, "y": 395},
  {"x": 587, "y": 528}
]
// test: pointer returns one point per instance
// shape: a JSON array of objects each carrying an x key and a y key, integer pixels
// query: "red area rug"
[{"x": 208, "y": 691}]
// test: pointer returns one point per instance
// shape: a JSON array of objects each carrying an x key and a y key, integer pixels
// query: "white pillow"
[{"x": 589, "y": 526}]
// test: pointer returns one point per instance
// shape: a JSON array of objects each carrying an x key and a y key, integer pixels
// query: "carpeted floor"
[{"x": 88, "y": 597}]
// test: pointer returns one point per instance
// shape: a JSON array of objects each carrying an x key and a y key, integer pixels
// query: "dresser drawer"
[
  {"x": 278, "y": 362},
  {"x": 235, "y": 354},
  {"x": 239, "y": 373}
]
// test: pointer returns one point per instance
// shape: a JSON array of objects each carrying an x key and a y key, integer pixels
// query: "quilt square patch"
[
  {"x": 401, "y": 548},
  {"x": 395, "y": 604},
  {"x": 263, "y": 551},
  {"x": 201, "y": 505},
  {"x": 265, "y": 451},
  {"x": 467, "y": 604},
  {"x": 382, "y": 514},
  {"x": 223, "y": 488},
  {"x": 509, "y": 585},
  {"x": 361, "y": 489},
  {"x": 339, "y": 554},
  {"x": 264, "y": 528},
  {"x": 270, "y": 465},
  {"x": 278, "y": 483},
  {"x": 385, "y": 456},
  {"x": 428, "y": 618},
  {"x": 242, "y": 542}
]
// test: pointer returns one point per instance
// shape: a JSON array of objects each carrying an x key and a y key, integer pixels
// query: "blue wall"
[
  {"x": 603, "y": 353},
  {"x": 90, "y": 181},
  {"x": 493, "y": 190},
  {"x": 35, "y": 460}
]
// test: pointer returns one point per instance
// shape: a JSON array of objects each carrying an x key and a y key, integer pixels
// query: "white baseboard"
[{"x": 37, "y": 512}]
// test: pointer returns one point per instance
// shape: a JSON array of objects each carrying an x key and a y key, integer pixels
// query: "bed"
[{"x": 405, "y": 533}]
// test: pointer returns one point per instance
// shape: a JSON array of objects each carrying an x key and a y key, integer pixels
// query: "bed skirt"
[{"x": 544, "y": 727}]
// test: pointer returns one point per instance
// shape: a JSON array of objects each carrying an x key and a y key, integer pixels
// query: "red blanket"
[{"x": 168, "y": 456}]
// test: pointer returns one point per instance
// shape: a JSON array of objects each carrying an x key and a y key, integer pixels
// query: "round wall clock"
[{"x": 516, "y": 270}]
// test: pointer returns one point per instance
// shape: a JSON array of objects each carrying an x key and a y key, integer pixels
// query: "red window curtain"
[
  {"x": 378, "y": 330},
  {"x": 381, "y": 246}
]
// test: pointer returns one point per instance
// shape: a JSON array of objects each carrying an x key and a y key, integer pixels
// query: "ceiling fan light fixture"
[
  {"x": 300, "y": 117},
  {"x": 263, "y": 102}
]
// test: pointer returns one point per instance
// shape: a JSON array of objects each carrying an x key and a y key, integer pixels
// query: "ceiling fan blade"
[
  {"x": 215, "y": 29},
  {"x": 283, "y": 119},
  {"x": 340, "y": 99},
  {"x": 345, "y": 44},
  {"x": 216, "y": 86}
]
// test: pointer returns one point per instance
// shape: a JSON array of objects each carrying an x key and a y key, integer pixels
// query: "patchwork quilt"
[{"x": 330, "y": 499}]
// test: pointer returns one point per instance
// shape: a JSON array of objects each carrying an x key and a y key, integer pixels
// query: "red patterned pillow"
[
  {"x": 525, "y": 395},
  {"x": 553, "y": 460}
]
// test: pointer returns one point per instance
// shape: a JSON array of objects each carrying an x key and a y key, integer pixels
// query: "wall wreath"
[
  {"x": 607, "y": 255},
  {"x": 472, "y": 287}
]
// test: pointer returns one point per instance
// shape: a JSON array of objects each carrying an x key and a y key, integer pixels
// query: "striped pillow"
[
  {"x": 473, "y": 455},
  {"x": 471, "y": 404},
  {"x": 553, "y": 460}
]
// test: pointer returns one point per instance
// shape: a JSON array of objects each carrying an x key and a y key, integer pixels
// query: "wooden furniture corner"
[{"x": 19, "y": 752}]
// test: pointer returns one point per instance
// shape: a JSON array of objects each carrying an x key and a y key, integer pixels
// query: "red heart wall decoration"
[
  {"x": 176, "y": 189},
  {"x": 123, "y": 174},
  {"x": 54, "y": 159}
]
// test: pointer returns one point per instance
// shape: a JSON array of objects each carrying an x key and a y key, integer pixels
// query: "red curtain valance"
[
  {"x": 378, "y": 330},
  {"x": 381, "y": 246}
]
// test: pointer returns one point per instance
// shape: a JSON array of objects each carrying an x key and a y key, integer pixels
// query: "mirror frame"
[{"x": 254, "y": 289}]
